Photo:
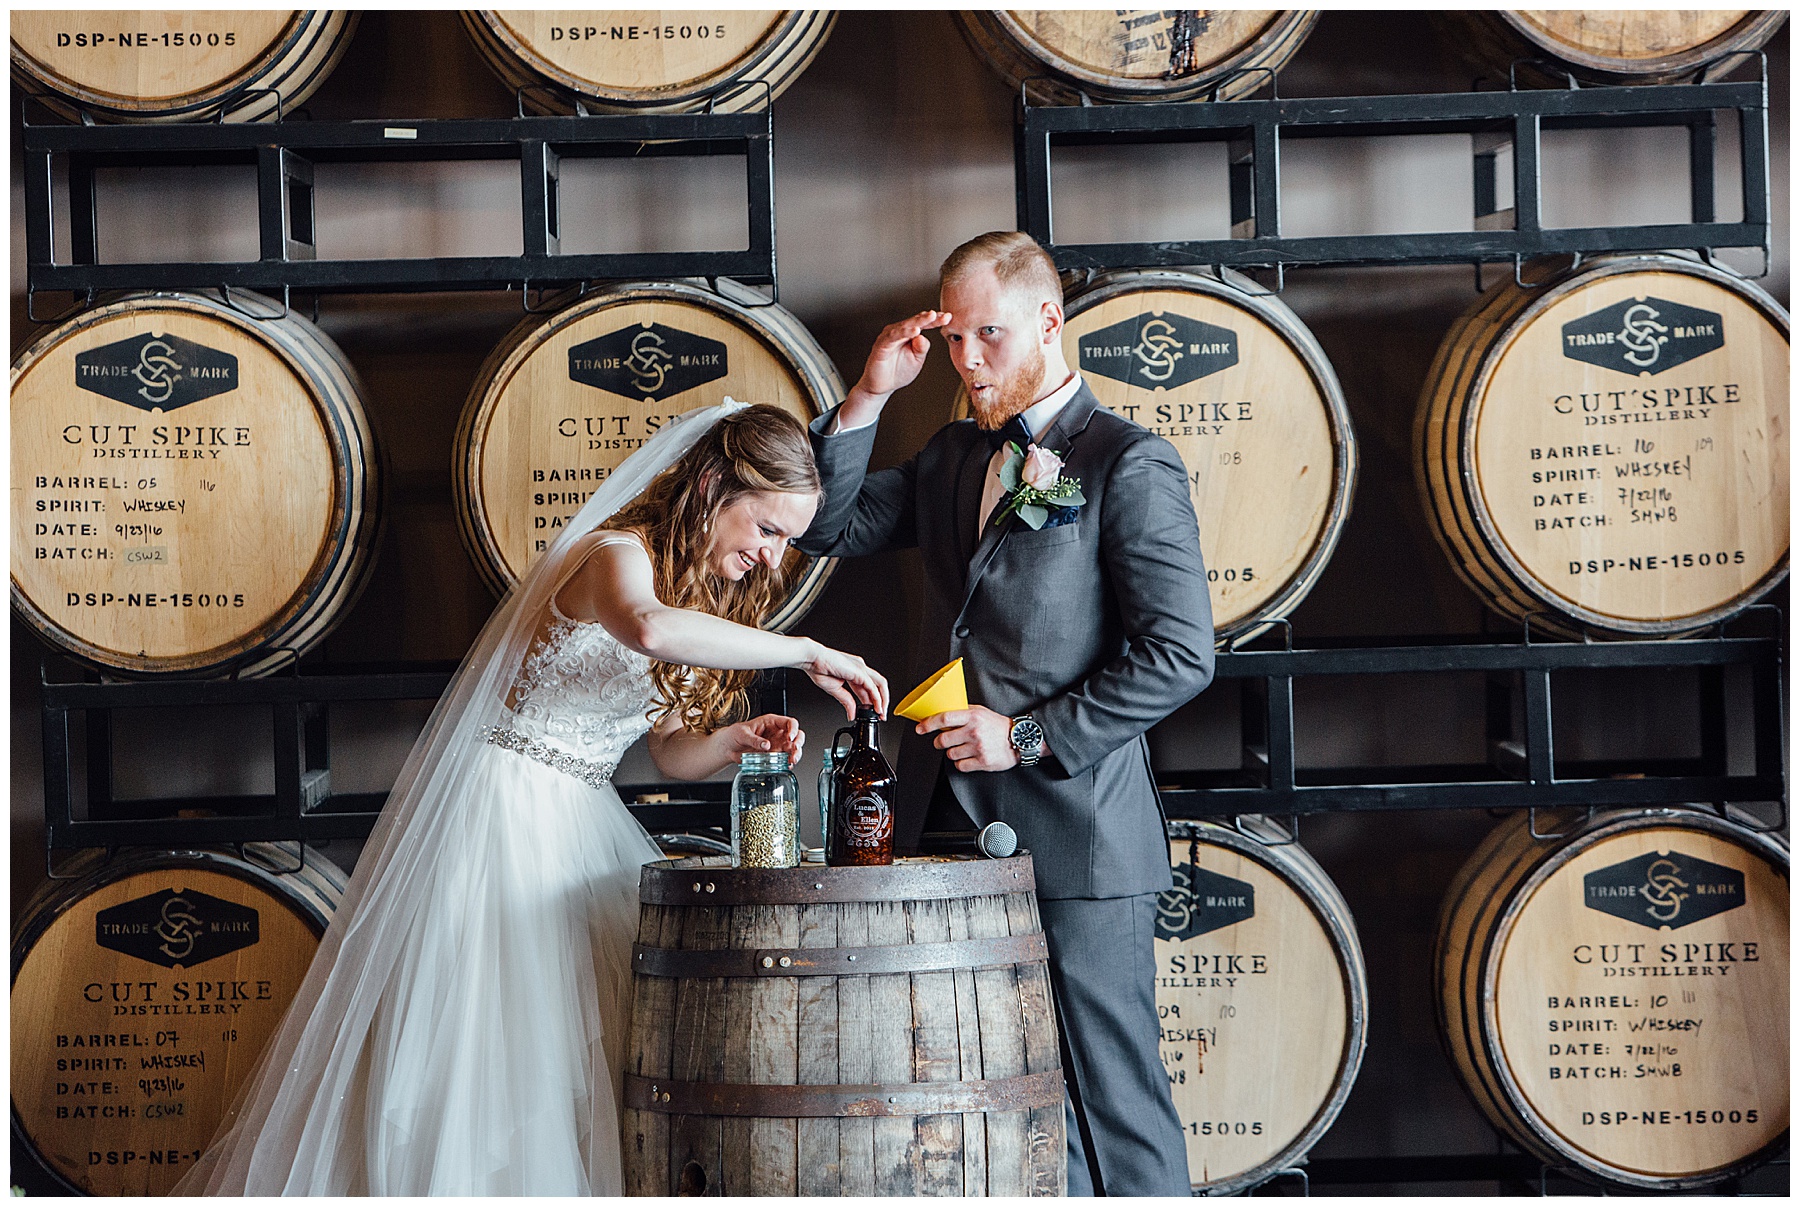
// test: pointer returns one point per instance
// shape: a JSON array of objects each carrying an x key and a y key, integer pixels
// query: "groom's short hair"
[{"x": 1017, "y": 260}]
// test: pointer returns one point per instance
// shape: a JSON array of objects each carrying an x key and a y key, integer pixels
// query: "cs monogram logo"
[{"x": 156, "y": 372}]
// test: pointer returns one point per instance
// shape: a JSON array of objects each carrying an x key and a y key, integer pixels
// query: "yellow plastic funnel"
[{"x": 943, "y": 692}]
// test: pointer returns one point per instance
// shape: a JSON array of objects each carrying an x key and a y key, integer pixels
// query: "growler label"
[
  {"x": 1643, "y": 336},
  {"x": 156, "y": 372},
  {"x": 1202, "y": 902},
  {"x": 1658, "y": 891},
  {"x": 649, "y": 362},
  {"x": 1161, "y": 350},
  {"x": 176, "y": 928},
  {"x": 868, "y": 820}
]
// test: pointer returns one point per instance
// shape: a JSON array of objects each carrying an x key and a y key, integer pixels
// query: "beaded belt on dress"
[{"x": 594, "y": 775}]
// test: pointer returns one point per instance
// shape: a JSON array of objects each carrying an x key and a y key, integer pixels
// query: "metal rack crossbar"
[
  {"x": 285, "y": 154},
  {"x": 1501, "y": 123},
  {"x": 303, "y": 806},
  {"x": 1522, "y": 770}
]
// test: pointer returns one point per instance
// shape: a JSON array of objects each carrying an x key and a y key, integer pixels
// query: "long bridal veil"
[{"x": 291, "y": 1107}]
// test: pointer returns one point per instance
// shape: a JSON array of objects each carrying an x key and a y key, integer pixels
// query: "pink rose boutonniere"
[{"x": 1036, "y": 488}]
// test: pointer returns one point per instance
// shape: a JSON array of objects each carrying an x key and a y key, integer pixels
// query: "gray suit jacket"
[{"x": 1099, "y": 628}]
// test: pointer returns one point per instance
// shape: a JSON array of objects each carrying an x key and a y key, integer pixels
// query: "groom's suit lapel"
[{"x": 1071, "y": 421}]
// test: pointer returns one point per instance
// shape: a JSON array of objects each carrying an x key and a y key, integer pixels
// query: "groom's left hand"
[{"x": 975, "y": 738}]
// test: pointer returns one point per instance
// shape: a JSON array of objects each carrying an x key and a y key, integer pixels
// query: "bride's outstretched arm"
[
  {"x": 615, "y": 586},
  {"x": 683, "y": 754}
]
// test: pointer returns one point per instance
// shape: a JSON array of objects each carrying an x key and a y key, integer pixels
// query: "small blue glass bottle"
[{"x": 827, "y": 765}]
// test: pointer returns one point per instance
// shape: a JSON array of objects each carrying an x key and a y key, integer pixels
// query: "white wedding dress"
[
  {"x": 481, "y": 1053},
  {"x": 462, "y": 1028}
]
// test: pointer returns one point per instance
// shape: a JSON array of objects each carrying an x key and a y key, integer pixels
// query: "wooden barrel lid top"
[
  {"x": 1629, "y": 443},
  {"x": 140, "y": 1002},
  {"x": 636, "y": 53},
  {"x": 178, "y": 484},
  {"x": 1621, "y": 38},
  {"x": 140, "y": 58},
  {"x": 1262, "y": 995},
  {"x": 1242, "y": 391},
  {"x": 564, "y": 401},
  {"x": 1148, "y": 44},
  {"x": 1638, "y": 989}
]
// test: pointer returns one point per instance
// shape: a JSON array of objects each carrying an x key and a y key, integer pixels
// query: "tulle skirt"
[{"x": 476, "y": 1046}]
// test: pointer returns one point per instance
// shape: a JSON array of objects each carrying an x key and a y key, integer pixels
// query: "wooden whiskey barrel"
[
  {"x": 1136, "y": 54},
  {"x": 656, "y": 61},
  {"x": 1609, "y": 451},
  {"x": 143, "y": 991},
  {"x": 1264, "y": 1001},
  {"x": 162, "y": 65},
  {"x": 1610, "y": 46},
  {"x": 568, "y": 396},
  {"x": 194, "y": 490},
  {"x": 1616, "y": 997},
  {"x": 1230, "y": 376},
  {"x": 842, "y": 1031}
]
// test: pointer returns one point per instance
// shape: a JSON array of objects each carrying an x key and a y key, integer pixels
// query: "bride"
[{"x": 463, "y": 1026}]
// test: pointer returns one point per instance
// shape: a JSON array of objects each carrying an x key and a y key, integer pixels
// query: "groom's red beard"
[{"x": 1012, "y": 396}]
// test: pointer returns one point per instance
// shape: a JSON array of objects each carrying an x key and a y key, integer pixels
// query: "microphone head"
[{"x": 997, "y": 841}]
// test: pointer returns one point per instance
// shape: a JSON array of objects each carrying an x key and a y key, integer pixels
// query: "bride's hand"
[
  {"x": 847, "y": 679},
  {"x": 760, "y": 735}
]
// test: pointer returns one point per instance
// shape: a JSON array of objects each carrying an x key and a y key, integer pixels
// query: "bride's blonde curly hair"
[{"x": 760, "y": 448}]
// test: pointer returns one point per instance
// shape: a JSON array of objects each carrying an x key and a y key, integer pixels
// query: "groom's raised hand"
[
  {"x": 894, "y": 363},
  {"x": 974, "y": 738}
]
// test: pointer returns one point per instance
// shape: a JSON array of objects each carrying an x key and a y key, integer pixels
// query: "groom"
[{"x": 1076, "y": 635}]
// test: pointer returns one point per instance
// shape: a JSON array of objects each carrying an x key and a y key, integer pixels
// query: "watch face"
[{"x": 1027, "y": 735}]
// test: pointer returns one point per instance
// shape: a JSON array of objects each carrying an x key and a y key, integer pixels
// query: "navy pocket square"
[{"x": 1062, "y": 515}]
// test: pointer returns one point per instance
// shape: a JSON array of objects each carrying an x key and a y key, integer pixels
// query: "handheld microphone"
[{"x": 997, "y": 840}]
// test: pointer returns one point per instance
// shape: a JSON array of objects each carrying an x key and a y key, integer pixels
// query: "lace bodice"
[{"x": 583, "y": 692}]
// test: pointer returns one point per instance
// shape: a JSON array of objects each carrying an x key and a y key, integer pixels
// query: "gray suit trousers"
[{"x": 1124, "y": 1135}]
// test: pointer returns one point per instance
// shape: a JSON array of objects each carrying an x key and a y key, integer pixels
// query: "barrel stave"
[
  {"x": 651, "y": 997},
  {"x": 937, "y": 1055},
  {"x": 820, "y": 1162},
  {"x": 858, "y": 1037}
]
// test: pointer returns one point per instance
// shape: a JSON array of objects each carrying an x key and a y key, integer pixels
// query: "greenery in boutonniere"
[{"x": 1033, "y": 480}]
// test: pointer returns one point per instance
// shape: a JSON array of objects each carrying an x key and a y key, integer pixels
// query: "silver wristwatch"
[{"x": 1027, "y": 738}]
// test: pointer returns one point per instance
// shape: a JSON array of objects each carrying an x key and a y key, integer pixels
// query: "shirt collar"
[{"x": 1041, "y": 414}]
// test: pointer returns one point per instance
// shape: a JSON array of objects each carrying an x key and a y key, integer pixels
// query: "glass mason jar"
[{"x": 765, "y": 812}]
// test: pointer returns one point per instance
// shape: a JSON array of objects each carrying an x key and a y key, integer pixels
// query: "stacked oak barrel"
[
  {"x": 144, "y": 987},
  {"x": 1605, "y": 449},
  {"x": 567, "y": 396}
]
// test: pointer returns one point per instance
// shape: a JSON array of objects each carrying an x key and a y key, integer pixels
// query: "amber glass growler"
[{"x": 862, "y": 806}]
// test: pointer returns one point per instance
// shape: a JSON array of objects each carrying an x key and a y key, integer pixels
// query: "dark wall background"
[{"x": 894, "y": 147}]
